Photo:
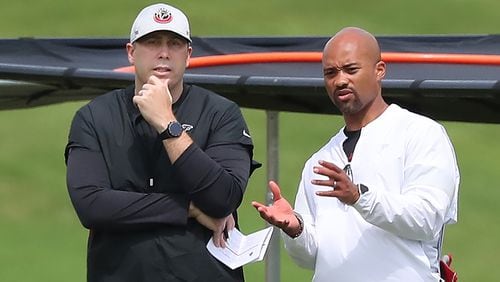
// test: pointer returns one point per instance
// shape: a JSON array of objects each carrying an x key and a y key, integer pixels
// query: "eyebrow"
[{"x": 349, "y": 65}]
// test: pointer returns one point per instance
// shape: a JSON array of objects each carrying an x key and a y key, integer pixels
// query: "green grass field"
[{"x": 40, "y": 236}]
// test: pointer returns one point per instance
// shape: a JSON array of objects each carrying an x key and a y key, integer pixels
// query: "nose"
[
  {"x": 342, "y": 80},
  {"x": 163, "y": 52}
]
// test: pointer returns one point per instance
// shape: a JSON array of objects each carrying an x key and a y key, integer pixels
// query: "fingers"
[
  {"x": 327, "y": 169},
  {"x": 221, "y": 235},
  {"x": 156, "y": 81},
  {"x": 136, "y": 100},
  {"x": 218, "y": 239},
  {"x": 257, "y": 205},
  {"x": 222, "y": 240},
  {"x": 262, "y": 209},
  {"x": 218, "y": 231},
  {"x": 338, "y": 182},
  {"x": 154, "y": 101},
  {"x": 277, "y": 214},
  {"x": 328, "y": 182},
  {"x": 275, "y": 189},
  {"x": 153, "y": 80},
  {"x": 331, "y": 193},
  {"x": 271, "y": 216},
  {"x": 330, "y": 166},
  {"x": 230, "y": 224},
  {"x": 335, "y": 174},
  {"x": 264, "y": 212}
]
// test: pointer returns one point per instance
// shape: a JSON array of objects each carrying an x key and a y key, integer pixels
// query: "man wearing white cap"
[{"x": 156, "y": 169}]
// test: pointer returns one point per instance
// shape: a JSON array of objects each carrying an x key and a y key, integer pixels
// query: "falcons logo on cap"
[{"x": 163, "y": 16}]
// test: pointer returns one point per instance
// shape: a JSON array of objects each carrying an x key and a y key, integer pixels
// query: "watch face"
[{"x": 175, "y": 129}]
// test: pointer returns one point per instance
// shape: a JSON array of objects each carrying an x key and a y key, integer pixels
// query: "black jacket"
[{"x": 135, "y": 202}]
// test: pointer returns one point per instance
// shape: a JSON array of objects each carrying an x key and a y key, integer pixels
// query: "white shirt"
[{"x": 394, "y": 231}]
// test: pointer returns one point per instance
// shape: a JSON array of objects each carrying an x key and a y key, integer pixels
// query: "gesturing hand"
[
  {"x": 339, "y": 183},
  {"x": 280, "y": 214}
]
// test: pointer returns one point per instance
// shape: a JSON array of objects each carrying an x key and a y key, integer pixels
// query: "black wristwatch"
[{"x": 174, "y": 129}]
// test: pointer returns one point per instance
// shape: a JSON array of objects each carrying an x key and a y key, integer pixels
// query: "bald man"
[{"x": 373, "y": 202}]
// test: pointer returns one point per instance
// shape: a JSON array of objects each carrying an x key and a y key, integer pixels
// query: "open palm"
[{"x": 280, "y": 213}]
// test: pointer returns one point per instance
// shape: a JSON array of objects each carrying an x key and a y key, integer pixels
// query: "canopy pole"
[{"x": 273, "y": 269}]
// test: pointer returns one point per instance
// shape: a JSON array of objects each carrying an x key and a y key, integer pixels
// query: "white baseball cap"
[{"x": 160, "y": 17}]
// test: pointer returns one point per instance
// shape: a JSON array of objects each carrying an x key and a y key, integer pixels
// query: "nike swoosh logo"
[{"x": 246, "y": 134}]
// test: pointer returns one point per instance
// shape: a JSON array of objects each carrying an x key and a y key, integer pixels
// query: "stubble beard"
[{"x": 348, "y": 108}]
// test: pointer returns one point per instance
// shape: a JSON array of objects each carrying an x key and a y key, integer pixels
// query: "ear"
[
  {"x": 380, "y": 70},
  {"x": 190, "y": 51},
  {"x": 130, "y": 53}
]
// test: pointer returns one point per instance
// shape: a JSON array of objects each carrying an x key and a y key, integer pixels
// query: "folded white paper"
[{"x": 242, "y": 249}]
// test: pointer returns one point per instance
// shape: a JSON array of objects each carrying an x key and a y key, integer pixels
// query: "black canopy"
[{"x": 43, "y": 71}]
